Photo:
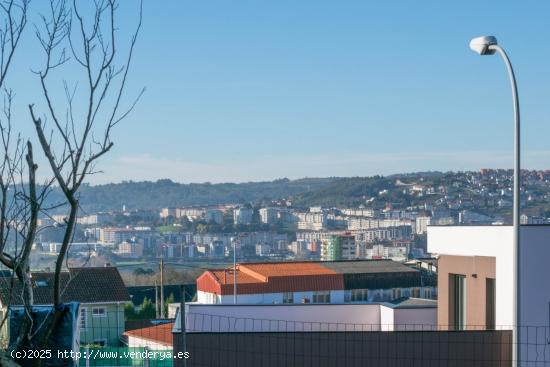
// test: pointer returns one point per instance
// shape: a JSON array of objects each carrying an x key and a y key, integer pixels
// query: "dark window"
[
  {"x": 288, "y": 297},
  {"x": 490, "y": 303},
  {"x": 457, "y": 302},
  {"x": 321, "y": 297}
]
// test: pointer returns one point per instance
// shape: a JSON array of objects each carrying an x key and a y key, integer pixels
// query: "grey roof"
[
  {"x": 84, "y": 285},
  {"x": 427, "y": 260},
  {"x": 410, "y": 302},
  {"x": 367, "y": 266}
]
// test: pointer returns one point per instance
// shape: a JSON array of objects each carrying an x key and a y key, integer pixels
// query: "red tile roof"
[
  {"x": 271, "y": 278},
  {"x": 161, "y": 334}
]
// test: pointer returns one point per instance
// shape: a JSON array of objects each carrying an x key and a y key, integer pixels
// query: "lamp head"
[{"x": 481, "y": 45}]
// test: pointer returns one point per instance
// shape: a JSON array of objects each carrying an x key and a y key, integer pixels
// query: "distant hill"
[
  {"x": 461, "y": 188},
  {"x": 349, "y": 191},
  {"x": 166, "y": 193}
]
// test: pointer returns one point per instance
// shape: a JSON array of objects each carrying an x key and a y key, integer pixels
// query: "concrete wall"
[{"x": 409, "y": 319}]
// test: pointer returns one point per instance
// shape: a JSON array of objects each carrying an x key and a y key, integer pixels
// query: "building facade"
[{"x": 314, "y": 282}]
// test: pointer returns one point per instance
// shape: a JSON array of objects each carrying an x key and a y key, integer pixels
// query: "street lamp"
[{"x": 488, "y": 45}]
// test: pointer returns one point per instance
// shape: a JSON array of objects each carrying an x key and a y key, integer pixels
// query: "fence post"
[
  {"x": 183, "y": 325},
  {"x": 146, "y": 359},
  {"x": 87, "y": 356}
]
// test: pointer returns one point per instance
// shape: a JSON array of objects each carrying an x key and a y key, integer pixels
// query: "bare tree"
[
  {"x": 75, "y": 132},
  {"x": 20, "y": 202}
]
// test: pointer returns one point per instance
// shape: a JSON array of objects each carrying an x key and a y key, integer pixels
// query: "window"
[
  {"x": 288, "y": 297},
  {"x": 83, "y": 320},
  {"x": 396, "y": 293},
  {"x": 490, "y": 303},
  {"x": 321, "y": 297},
  {"x": 457, "y": 302},
  {"x": 357, "y": 295},
  {"x": 99, "y": 312},
  {"x": 427, "y": 293}
]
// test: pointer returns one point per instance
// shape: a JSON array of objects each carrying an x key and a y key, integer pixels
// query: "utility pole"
[
  {"x": 157, "y": 314},
  {"x": 162, "y": 287},
  {"x": 235, "y": 272}
]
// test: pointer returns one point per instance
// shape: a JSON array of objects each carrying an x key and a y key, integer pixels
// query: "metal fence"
[{"x": 222, "y": 341}]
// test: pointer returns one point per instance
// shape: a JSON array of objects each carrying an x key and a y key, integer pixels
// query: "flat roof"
[{"x": 367, "y": 266}]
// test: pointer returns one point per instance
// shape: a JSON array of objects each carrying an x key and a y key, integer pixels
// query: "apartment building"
[
  {"x": 384, "y": 234},
  {"x": 339, "y": 247},
  {"x": 243, "y": 215},
  {"x": 361, "y": 212},
  {"x": 118, "y": 235},
  {"x": 314, "y": 282},
  {"x": 421, "y": 224},
  {"x": 361, "y": 223},
  {"x": 269, "y": 215},
  {"x": 213, "y": 216},
  {"x": 311, "y": 221}
]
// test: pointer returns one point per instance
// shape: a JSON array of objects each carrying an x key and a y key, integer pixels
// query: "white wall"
[
  {"x": 415, "y": 318},
  {"x": 303, "y": 317},
  {"x": 386, "y": 318},
  {"x": 535, "y": 276},
  {"x": 137, "y": 342}
]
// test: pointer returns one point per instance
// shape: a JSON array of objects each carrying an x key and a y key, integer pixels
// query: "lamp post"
[{"x": 488, "y": 45}]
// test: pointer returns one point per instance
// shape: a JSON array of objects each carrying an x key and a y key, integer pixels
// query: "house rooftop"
[
  {"x": 275, "y": 277},
  {"x": 84, "y": 285},
  {"x": 159, "y": 334},
  {"x": 411, "y": 302},
  {"x": 367, "y": 267}
]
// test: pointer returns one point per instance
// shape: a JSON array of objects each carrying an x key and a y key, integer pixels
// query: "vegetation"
[{"x": 166, "y": 193}]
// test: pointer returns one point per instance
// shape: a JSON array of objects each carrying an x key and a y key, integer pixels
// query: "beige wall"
[{"x": 476, "y": 269}]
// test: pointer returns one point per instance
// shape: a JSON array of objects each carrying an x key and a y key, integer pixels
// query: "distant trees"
[{"x": 146, "y": 311}]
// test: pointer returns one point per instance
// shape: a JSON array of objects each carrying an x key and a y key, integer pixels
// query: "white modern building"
[{"x": 476, "y": 280}]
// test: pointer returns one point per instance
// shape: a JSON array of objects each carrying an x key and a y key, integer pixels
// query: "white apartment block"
[
  {"x": 269, "y": 215},
  {"x": 243, "y": 215},
  {"x": 360, "y": 223},
  {"x": 311, "y": 221},
  {"x": 421, "y": 224}
]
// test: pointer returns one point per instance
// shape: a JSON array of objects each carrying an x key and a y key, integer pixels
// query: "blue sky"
[{"x": 257, "y": 90}]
